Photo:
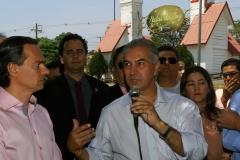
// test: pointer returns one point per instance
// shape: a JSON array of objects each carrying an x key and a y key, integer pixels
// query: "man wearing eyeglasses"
[
  {"x": 168, "y": 70},
  {"x": 105, "y": 97},
  {"x": 231, "y": 77},
  {"x": 229, "y": 118}
]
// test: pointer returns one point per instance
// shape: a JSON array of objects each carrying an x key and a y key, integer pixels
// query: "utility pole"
[
  {"x": 100, "y": 38},
  {"x": 36, "y": 30},
  {"x": 114, "y": 10},
  {"x": 199, "y": 33}
]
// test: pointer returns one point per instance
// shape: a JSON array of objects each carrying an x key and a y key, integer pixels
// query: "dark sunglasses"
[
  {"x": 230, "y": 74},
  {"x": 170, "y": 60},
  {"x": 120, "y": 65}
]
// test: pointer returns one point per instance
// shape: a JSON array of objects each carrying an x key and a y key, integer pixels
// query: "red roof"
[
  {"x": 147, "y": 38},
  {"x": 233, "y": 45},
  {"x": 112, "y": 37},
  {"x": 209, "y": 21}
]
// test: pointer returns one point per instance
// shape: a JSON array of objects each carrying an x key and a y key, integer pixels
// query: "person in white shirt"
[{"x": 170, "y": 127}]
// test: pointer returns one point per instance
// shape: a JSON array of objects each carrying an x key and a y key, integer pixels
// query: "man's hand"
[
  {"x": 146, "y": 110},
  {"x": 230, "y": 87},
  {"x": 79, "y": 136},
  {"x": 228, "y": 119}
]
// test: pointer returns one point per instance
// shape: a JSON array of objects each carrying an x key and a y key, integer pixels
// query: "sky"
[{"x": 88, "y": 18}]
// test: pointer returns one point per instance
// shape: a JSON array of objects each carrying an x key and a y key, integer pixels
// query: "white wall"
[
  {"x": 194, "y": 51},
  {"x": 194, "y": 8},
  {"x": 220, "y": 43},
  {"x": 131, "y": 10},
  {"x": 107, "y": 55}
]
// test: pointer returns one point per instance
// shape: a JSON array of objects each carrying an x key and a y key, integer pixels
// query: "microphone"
[{"x": 134, "y": 92}]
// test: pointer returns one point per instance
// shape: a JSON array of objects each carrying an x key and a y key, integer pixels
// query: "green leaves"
[
  {"x": 49, "y": 47},
  {"x": 98, "y": 65},
  {"x": 174, "y": 39},
  {"x": 235, "y": 30}
]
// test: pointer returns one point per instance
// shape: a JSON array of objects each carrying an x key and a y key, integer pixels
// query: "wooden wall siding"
[
  {"x": 219, "y": 34},
  {"x": 219, "y": 55}
]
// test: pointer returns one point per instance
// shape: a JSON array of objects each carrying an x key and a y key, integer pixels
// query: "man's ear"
[
  {"x": 12, "y": 69},
  {"x": 113, "y": 71},
  {"x": 157, "y": 65},
  {"x": 61, "y": 59}
]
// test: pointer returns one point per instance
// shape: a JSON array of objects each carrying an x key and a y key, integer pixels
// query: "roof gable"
[
  {"x": 112, "y": 37},
  {"x": 209, "y": 21}
]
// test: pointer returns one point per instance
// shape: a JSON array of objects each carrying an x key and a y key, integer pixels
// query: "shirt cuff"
[{"x": 195, "y": 146}]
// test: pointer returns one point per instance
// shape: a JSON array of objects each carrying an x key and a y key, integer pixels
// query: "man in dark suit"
[
  {"x": 105, "y": 97},
  {"x": 59, "y": 95}
]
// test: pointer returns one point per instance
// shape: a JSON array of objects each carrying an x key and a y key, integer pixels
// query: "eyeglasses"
[
  {"x": 230, "y": 74},
  {"x": 170, "y": 60},
  {"x": 120, "y": 65}
]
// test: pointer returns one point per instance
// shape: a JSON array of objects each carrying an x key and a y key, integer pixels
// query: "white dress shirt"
[{"x": 116, "y": 137}]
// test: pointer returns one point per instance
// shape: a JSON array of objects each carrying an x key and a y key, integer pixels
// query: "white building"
[
  {"x": 217, "y": 44},
  {"x": 120, "y": 32}
]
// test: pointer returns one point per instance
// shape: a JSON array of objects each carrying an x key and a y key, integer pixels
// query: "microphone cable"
[{"x": 138, "y": 137}]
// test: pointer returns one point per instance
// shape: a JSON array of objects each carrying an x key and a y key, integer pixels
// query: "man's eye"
[
  {"x": 141, "y": 63},
  {"x": 37, "y": 64},
  {"x": 126, "y": 64},
  {"x": 69, "y": 52}
]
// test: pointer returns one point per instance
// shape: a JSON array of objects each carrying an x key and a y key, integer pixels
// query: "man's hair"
[
  {"x": 141, "y": 42},
  {"x": 11, "y": 50},
  {"x": 231, "y": 61},
  {"x": 168, "y": 48},
  {"x": 209, "y": 110},
  {"x": 56, "y": 64},
  {"x": 72, "y": 37},
  {"x": 118, "y": 51}
]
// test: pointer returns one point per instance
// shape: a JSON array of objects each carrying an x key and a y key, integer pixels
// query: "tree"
[
  {"x": 173, "y": 38},
  {"x": 111, "y": 60},
  {"x": 186, "y": 56},
  {"x": 235, "y": 30},
  {"x": 49, "y": 49},
  {"x": 98, "y": 65},
  {"x": 60, "y": 36}
]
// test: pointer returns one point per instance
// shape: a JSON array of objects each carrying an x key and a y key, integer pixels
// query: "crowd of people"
[{"x": 58, "y": 112}]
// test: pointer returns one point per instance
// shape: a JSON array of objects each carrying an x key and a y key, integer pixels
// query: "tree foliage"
[
  {"x": 235, "y": 30},
  {"x": 186, "y": 56},
  {"x": 49, "y": 49},
  {"x": 60, "y": 36},
  {"x": 111, "y": 60},
  {"x": 173, "y": 38},
  {"x": 98, "y": 65}
]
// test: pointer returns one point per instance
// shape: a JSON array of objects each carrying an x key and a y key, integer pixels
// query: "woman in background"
[{"x": 197, "y": 85}]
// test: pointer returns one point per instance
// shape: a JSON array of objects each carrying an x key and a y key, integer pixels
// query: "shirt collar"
[
  {"x": 72, "y": 81},
  {"x": 124, "y": 89},
  {"x": 7, "y": 101},
  {"x": 161, "y": 97}
]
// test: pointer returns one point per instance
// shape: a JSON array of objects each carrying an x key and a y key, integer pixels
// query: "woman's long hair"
[{"x": 210, "y": 110}]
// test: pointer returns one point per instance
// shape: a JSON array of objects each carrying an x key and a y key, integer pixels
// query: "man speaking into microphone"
[{"x": 169, "y": 126}]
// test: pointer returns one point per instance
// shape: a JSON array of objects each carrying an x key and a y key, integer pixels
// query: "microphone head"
[{"x": 134, "y": 91}]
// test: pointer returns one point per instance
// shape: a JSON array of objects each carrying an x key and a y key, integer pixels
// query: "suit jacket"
[
  {"x": 56, "y": 97},
  {"x": 100, "y": 100}
]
